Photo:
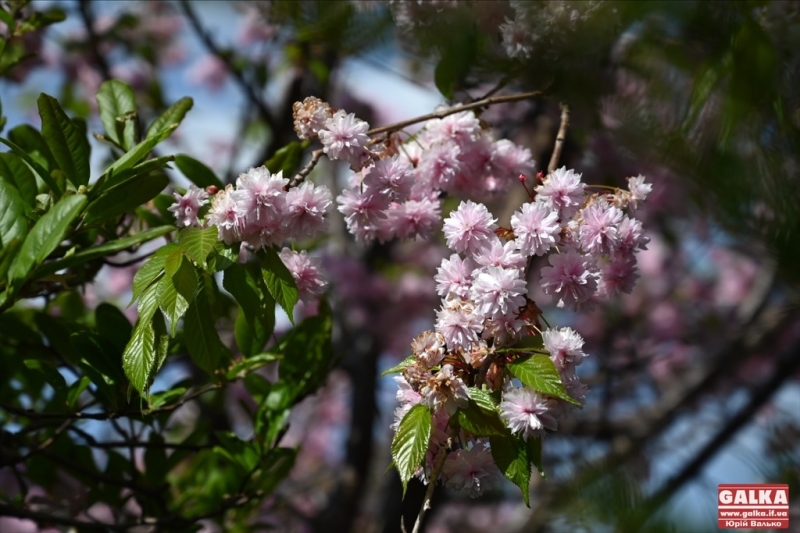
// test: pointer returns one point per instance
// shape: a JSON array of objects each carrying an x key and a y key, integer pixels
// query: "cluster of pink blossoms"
[
  {"x": 591, "y": 239},
  {"x": 260, "y": 212},
  {"x": 485, "y": 310},
  {"x": 395, "y": 190}
]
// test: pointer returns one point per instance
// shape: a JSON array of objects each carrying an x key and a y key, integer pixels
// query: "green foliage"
[
  {"x": 197, "y": 172},
  {"x": 481, "y": 417},
  {"x": 117, "y": 105},
  {"x": 540, "y": 374},
  {"x": 410, "y": 443},
  {"x": 48, "y": 232},
  {"x": 66, "y": 141},
  {"x": 279, "y": 281},
  {"x": 399, "y": 367}
]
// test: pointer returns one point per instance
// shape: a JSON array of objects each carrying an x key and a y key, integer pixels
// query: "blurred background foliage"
[{"x": 694, "y": 376}]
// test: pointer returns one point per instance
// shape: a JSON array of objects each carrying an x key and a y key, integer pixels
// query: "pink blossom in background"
[{"x": 209, "y": 71}]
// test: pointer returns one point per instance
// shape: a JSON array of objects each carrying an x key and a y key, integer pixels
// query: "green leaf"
[
  {"x": 279, "y": 281},
  {"x": 176, "y": 292},
  {"x": 534, "y": 445},
  {"x": 149, "y": 272},
  {"x": 12, "y": 218},
  {"x": 7, "y": 256},
  {"x": 482, "y": 398},
  {"x": 107, "y": 182},
  {"x": 139, "y": 357},
  {"x": 113, "y": 325},
  {"x": 197, "y": 172},
  {"x": 148, "y": 303},
  {"x": 138, "y": 152},
  {"x": 198, "y": 243},
  {"x": 257, "y": 304},
  {"x": 103, "y": 250},
  {"x": 246, "y": 366},
  {"x": 116, "y": 101},
  {"x": 511, "y": 456},
  {"x": 37, "y": 168},
  {"x": 65, "y": 139},
  {"x": 170, "y": 119},
  {"x": 161, "y": 341},
  {"x": 540, "y": 374},
  {"x": 306, "y": 350},
  {"x": 481, "y": 419},
  {"x": 126, "y": 197},
  {"x": 399, "y": 367},
  {"x": 46, "y": 235},
  {"x": 75, "y": 391},
  {"x": 32, "y": 142},
  {"x": 287, "y": 159},
  {"x": 51, "y": 375},
  {"x": 250, "y": 335},
  {"x": 200, "y": 333},
  {"x": 410, "y": 443},
  {"x": 17, "y": 173}
]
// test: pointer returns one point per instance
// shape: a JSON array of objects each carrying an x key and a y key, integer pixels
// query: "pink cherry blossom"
[
  {"x": 639, "y": 189},
  {"x": 563, "y": 191},
  {"x": 469, "y": 228},
  {"x": 413, "y": 218},
  {"x": 527, "y": 412},
  {"x": 344, "y": 137},
  {"x": 224, "y": 214},
  {"x": 598, "y": 232},
  {"x": 569, "y": 278},
  {"x": 498, "y": 291},
  {"x": 187, "y": 206},
  {"x": 391, "y": 176},
  {"x": 471, "y": 472},
  {"x": 364, "y": 213},
  {"x": 454, "y": 277},
  {"x": 565, "y": 347},
  {"x": 305, "y": 271},
  {"x": 305, "y": 208},
  {"x": 445, "y": 390},
  {"x": 536, "y": 228},
  {"x": 617, "y": 276},
  {"x": 458, "y": 323},
  {"x": 500, "y": 254}
]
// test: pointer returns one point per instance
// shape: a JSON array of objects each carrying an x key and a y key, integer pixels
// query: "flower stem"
[{"x": 426, "y": 504}]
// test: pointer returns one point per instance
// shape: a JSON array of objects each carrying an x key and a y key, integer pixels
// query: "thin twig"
[
  {"x": 129, "y": 262},
  {"x": 248, "y": 89},
  {"x": 298, "y": 178},
  {"x": 426, "y": 504},
  {"x": 485, "y": 102},
  {"x": 316, "y": 155},
  {"x": 106, "y": 415},
  {"x": 562, "y": 134},
  {"x": 84, "y": 6}
]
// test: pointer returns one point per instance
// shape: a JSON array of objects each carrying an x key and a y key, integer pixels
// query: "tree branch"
[
  {"x": 485, "y": 102},
  {"x": 298, "y": 178},
  {"x": 30, "y": 413},
  {"x": 85, "y": 8},
  {"x": 426, "y": 504},
  {"x": 248, "y": 89},
  {"x": 562, "y": 134}
]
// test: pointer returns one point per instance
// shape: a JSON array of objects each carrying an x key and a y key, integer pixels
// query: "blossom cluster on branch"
[{"x": 489, "y": 355}]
